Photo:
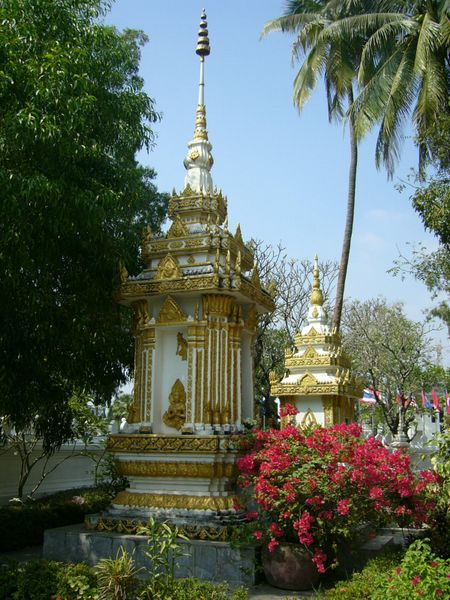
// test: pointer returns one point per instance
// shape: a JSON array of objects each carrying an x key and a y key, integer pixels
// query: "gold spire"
[
  {"x": 316, "y": 295},
  {"x": 203, "y": 49}
]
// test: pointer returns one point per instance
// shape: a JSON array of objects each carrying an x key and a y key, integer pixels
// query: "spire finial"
[
  {"x": 199, "y": 160},
  {"x": 203, "y": 49},
  {"x": 316, "y": 295}
]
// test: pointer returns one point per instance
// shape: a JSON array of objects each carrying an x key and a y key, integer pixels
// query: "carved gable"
[
  {"x": 177, "y": 229},
  {"x": 170, "y": 312},
  {"x": 168, "y": 268},
  {"x": 308, "y": 380}
]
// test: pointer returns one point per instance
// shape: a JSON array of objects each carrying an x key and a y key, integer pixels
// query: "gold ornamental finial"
[
  {"x": 316, "y": 295},
  {"x": 203, "y": 49}
]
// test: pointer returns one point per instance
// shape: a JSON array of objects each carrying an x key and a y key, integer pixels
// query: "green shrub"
[
  {"x": 37, "y": 580},
  {"x": 9, "y": 573},
  {"x": 76, "y": 582},
  {"x": 195, "y": 589},
  {"x": 420, "y": 574},
  {"x": 361, "y": 585},
  {"x": 31, "y": 519}
]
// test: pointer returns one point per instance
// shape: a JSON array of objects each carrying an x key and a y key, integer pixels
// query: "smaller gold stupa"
[{"x": 318, "y": 379}]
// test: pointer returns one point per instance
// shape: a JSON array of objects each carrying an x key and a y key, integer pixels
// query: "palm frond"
[{"x": 306, "y": 79}]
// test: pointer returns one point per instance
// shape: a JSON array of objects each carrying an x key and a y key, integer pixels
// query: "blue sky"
[{"x": 285, "y": 173}]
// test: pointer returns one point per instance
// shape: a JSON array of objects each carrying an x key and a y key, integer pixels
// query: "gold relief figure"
[
  {"x": 182, "y": 346},
  {"x": 175, "y": 415}
]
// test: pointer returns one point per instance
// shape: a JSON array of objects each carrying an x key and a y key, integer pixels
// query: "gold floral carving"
[
  {"x": 170, "y": 312},
  {"x": 175, "y": 415},
  {"x": 176, "y": 469},
  {"x": 322, "y": 361},
  {"x": 169, "y": 501},
  {"x": 328, "y": 389},
  {"x": 182, "y": 346},
  {"x": 177, "y": 229},
  {"x": 168, "y": 268}
]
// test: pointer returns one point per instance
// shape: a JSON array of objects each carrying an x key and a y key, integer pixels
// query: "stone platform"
[{"x": 204, "y": 559}]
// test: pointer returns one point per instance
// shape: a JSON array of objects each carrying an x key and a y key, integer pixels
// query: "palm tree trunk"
[{"x": 348, "y": 223}]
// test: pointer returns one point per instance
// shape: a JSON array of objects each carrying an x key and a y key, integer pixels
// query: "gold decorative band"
[
  {"x": 171, "y": 501},
  {"x": 170, "y": 443},
  {"x": 176, "y": 469},
  {"x": 131, "y": 526}
]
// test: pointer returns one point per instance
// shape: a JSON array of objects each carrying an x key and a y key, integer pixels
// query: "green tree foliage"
[
  {"x": 73, "y": 114},
  {"x": 431, "y": 199},
  {"x": 391, "y": 353}
]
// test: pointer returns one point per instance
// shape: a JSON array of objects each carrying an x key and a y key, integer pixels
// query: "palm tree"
[
  {"x": 337, "y": 60},
  {"x": 404, "y": 69}
]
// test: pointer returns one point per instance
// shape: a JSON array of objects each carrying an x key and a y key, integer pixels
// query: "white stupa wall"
[
  {"x": 312, "y": 403},
  {"x": 168, "y": 368}
]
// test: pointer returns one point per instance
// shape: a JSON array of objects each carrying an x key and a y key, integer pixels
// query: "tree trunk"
[{"x": 340, "y": 287}]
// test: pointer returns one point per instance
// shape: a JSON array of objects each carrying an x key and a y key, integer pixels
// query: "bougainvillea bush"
[{"x": 318, "y": 488}]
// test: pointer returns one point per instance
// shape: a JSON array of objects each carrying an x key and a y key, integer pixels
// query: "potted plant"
[{"x": 316, "y": 488}]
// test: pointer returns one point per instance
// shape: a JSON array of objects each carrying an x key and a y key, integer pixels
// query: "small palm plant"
[{"x": 117, "y": 577}]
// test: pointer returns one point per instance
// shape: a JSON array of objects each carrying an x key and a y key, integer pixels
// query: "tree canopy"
[
  {"x": 73, "y": 114},
  {"x": 392, "y": 354}
]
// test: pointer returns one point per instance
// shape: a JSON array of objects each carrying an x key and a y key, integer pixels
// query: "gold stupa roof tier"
[{"x": 197, "y": 254}]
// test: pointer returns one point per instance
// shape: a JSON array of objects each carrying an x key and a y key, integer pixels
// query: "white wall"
[{"x": 72, "y": 473}]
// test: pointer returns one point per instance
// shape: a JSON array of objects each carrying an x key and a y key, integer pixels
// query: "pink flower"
[
  {"x": 343, "y": 507},
  {"x": 276, "y": 530},
  {"x": 257, "y": 535},
  {"x": 319, "y": 560},
  {"x": 415, "y": 580},
  {"x": 272, "y": 545},
  {"x": 288, "y": 410},
  {"x": 251, "y": 516}
]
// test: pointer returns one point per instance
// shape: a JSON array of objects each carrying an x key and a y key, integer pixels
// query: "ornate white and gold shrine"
[
  {"x": 318, "y": 379},
  {"x": 196, "y": 306}
]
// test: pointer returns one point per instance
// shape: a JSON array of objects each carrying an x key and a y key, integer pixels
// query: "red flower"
[
  {"x": 272, "y": 545},
  {"x": 415, "y": 580},
  {"x": 257, "y": 535},
  {"x": 288, "y": 410}
]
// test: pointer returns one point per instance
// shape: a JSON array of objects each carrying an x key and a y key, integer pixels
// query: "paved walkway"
[{"x": 262, "y": 591}]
